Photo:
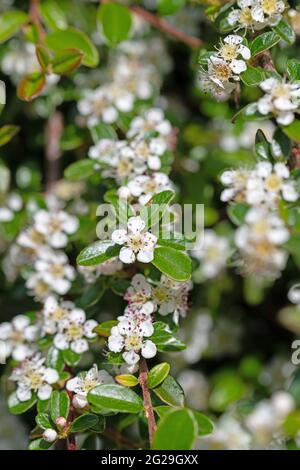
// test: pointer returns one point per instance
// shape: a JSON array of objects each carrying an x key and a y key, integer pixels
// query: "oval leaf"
[
  {"x": 170, "y": 392},
  {"x": 97, "y": 253},
  {"x": 31, "y": 86},
  {"x": 59, "y": 404},
  {"x": 115, "y": 22},
  {"x": 158, "y": 374},
  {"x": 116, "y": 398},
  {"x": 173, "y": 263},
  {"x": 84, "y": 422},
  {"x": 177, "y": 430},
  {"x": 10, "y": 23},
  {"x": 263, "y": 42}
]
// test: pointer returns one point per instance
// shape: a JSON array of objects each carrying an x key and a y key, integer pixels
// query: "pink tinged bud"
[
  {"x": 61, "y": 422},
  {"x": 49, "y": 435}
]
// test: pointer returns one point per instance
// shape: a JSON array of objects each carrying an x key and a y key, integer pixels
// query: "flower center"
[
  {"x": 36, "y": 237},
  {"x": 260, "y": 227},
  {"x": 89, "y": 384},
  {"x": 133, "y": 342},
  {"x": 281, "y": 91},
  {"x": 160, "y": 294},
  {"x": 57, "y": 270},
  {"x": 222, "y": 71},
  {"x": 246, "y": 17},
  {"x": 135, "y": 242},
  {"x": 58, "y": 314},
  {"x": 75, "y": 331},
  {"x": 124, "y": 167},
  {"x": 273, "y": 183},
  {"x": 35, "y": 380},
  {"x": 229, "y": 51},
  {"x": 213, "y": 253},
  {"x": 41, "y": 288},
  {"x": 269, "y": 6},
  {"x": 54, "y": 225},
  {"x": 16, "y": 337}
]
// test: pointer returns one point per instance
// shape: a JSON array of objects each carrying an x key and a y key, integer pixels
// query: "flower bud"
[
  {"x": 49, "y": 435},
  {"x": 79, "y": 401},
  {"x": 61, "y": 422}
]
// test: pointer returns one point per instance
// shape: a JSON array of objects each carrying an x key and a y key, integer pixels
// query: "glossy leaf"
[
  {"x": 158, "y": 374},
  {"x": 170, "y": 392},
  {"x": 173, "y": 263},
  {"x": 177, "y": 430},
  {"x": 115, "y": 22},
  {"x": 285, "y": 31},
  {"x": 59, "y": 404},
  {"x": 263, "y": 42},
  {"x": 164, "y": 339},
  {"x": 17, "y": 407},
  {"x": 116, "y": 398},
  {"x": 84, "y": 422},
  {"x": 10, "y": 23},
  {"x": 66, "y": 61},
  {"x": 31, "y": 86},
  {"x": 97, "y": 253}
]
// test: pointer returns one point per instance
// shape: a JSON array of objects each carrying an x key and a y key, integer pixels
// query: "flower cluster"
[
  {"x": 256, "y": 14},
  {"x": 225, "y": 66}
]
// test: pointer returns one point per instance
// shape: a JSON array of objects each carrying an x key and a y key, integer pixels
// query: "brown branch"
[
  {"x": 53, "y": 132},
  {"x": 167, "y": 28},
  {"x": 295, "y": 157},
  {"x": 147, "y": 399},
  {"x": 116, "y": 437},
  {"x": 71, "y": 441},
  {"x": 34, "y": 13}
]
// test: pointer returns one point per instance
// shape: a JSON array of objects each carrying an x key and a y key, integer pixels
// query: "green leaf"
[
  {"x": 103, "y": 131},
  {"x": 40, "y": 444},
  {"x": 164, "y": 338},
  {"x": 70, "y": 357},
  {"x": 237, "y": 212},
  {"x": 80, "y": 170},
  {"x": 43, "y": 421},
  {"x": 7, "y": 133},
  {"x": 293, "y": 130},
  {"x": 59, "y": 404},
  {"x": 127, "y": 380},
  {"x": 53, "y": 15},
  {"x": 44, "y": 57},
  {"x": 262, "y": 146},
  {"x": 115, "y": 22},
  {"x": 263, "y": 42},
  {"x": 116, "y": 398},
  {"x": 293, "y": 69},
  {"x": 66, "y": 61},
  {"x": 170, "y": 392},
  {"x": 153, "y": 212},
  {"x": 282, "y": 142},
  {"x": 92, "y": 294},
  {"x": 205, "y": 425},
  {"x": 84, "y": 422},
  {"x": 173, "y": 263},
  {"x": 158, "y": 374},
  {"x": 74, "y": 38},
  {"x": 177, "y": 430},
  {"x": 10, "y": 23},
  {"x": 104, "y": 328},
  {"x": 98, "y": 252},
  {"x": 169, "y": 7},
  {"x": 17, "y": 407},
  {"x": 252, "y": 76},
  {"x": 285, "y": 31},
  {"x": 31, "y": 86}
]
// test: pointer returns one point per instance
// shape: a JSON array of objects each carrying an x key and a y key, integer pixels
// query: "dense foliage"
[{"x": 119, "y": 329}]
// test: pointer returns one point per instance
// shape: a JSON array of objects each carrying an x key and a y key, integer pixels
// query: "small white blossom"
[
  {"x": 235, "y": 53},
  {"x": 131, "y": 336},
  {"x": 55, "y": 226},
  {"x": 53, "y": 312},
  {"x": 31, "y": 238},
  {"x": 107, "y": 268},
  {"x": 11, "y": 204},
  {"x": 20, "y": 337},
  {"x": 259, "y": 241},
  {"x": 33, "y": 377},
  {"x": 85, "y": 382},
  {"x": 144, "y": 187},
  {"x": 137, "y": 243},
  {"x": 73, "y": 332},
  {"x": 281, "y": 99},
  {"x": 153, "y": 120},
  {"x": 52, "y": 270},
  {"x": 256, "y": 14},
  {"x": 212, "y": 253}
]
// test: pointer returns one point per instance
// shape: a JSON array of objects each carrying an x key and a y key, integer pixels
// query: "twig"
[
  {"x": 116, "y": 437},
  {"x": 167, "y": 28},
  {"x": 71, "y": 437},
  {"x": 295, "y": 157},
  {"x": 147, "y": 399},
  {"x": 53, "y": 132},
  {"x": 34, "y": 13}
]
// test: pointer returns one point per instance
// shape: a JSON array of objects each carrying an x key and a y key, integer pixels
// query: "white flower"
[
  {"x": 260, "y": 240},
  {"x": 31, "y": 238},
  {"x": 235, "y": 53},
  {"x": 171, "y": 297},
  {"x": 85, "y": 382},
  {"x": 33, "y": 377},
  {"x": 73, "y": 332},
  {"x": 149, "y": 152},
  {"x": 281, "y": 98},
  {"x": 53, "y": 312},
  {"x": 137, "y": 243},
  {"x": 220, "y": 90},
  {"x": 153, "y": 120},
  {"x": 55, "y": 226},
  {"x": 53, "y": 270},
  {"x": 130, "y": 336},
  {"x": 212, "y": 253},
  {"x": 144, "y": 187},
  {"x": 256, "y": 14},
  {"x": 140, "y": 290},
  {"x": 229, "y": 434},
  {"x": 267, "y": 183},
  {"x": 19, "y": 337},
  {"x": 12, "y": 204},
  {"x": 236, "y": 180}
]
